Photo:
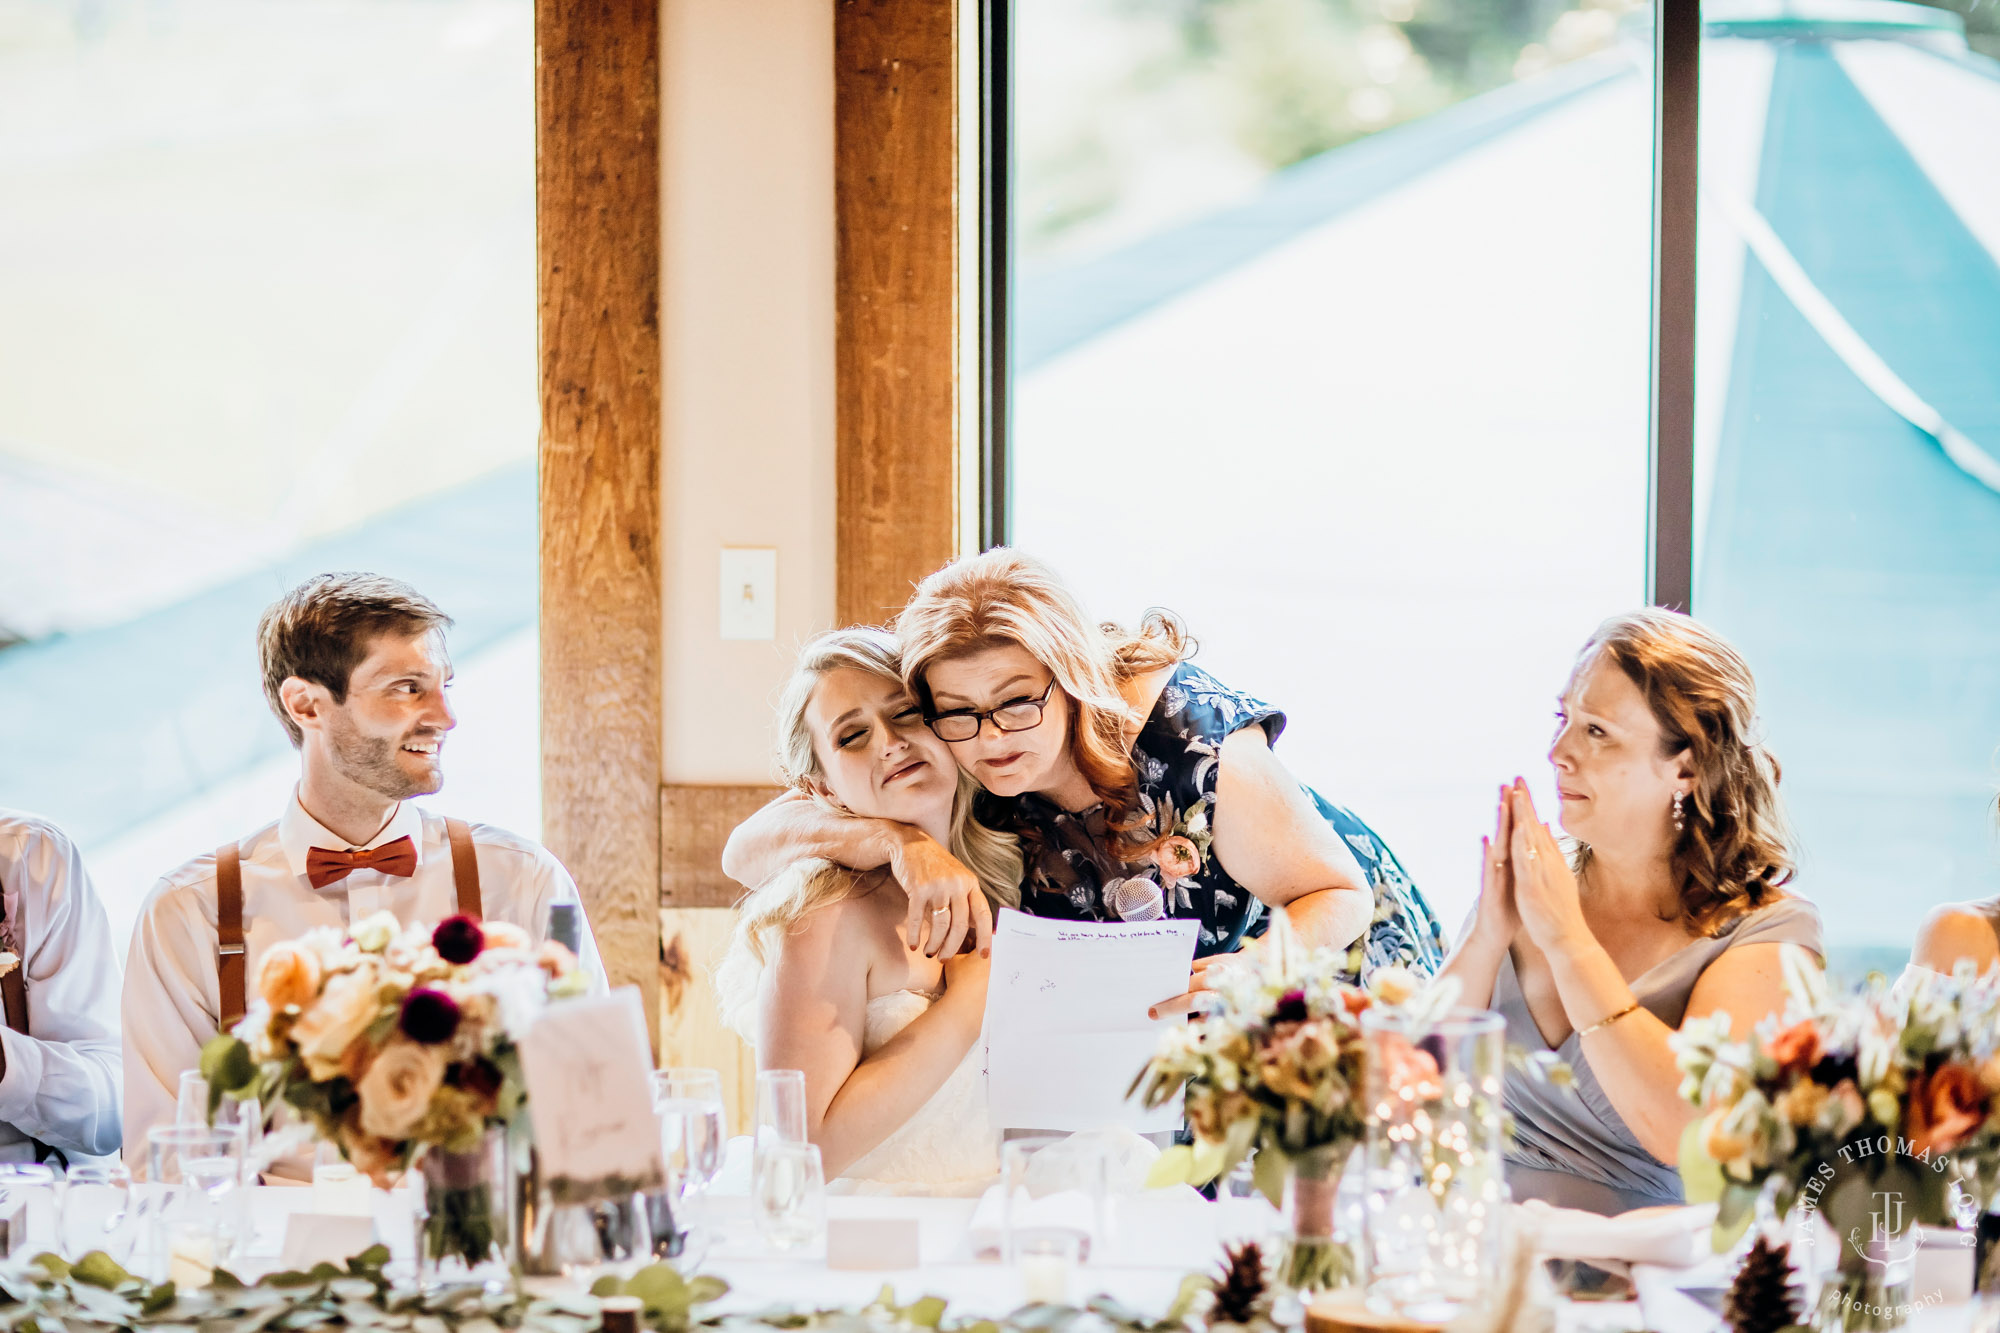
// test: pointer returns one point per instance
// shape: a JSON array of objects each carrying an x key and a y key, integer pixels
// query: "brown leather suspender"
[
  {"x": 14, "y": 1000},
  {"x": 464, "y": 869},
  {"x": 229, "y": 945}
]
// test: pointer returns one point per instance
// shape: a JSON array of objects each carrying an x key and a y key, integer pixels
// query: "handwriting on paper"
[{"x": 587, "y": 1067}]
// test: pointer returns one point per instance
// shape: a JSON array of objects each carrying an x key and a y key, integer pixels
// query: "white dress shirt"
[
  {"x": 172, "y": 994},
  {"x": 61, "y": 1084}
]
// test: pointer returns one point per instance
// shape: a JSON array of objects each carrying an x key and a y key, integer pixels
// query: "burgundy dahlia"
[
  {"x": 458, "y": 939},
  {"x": 1291, "y": 1008},
  {"x": 429, "y": 1016}
]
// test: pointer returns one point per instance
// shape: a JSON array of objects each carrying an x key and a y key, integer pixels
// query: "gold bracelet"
[{"x": 1607, "y": 1021}]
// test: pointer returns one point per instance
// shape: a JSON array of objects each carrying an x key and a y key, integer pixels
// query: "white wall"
[{"x": 747, "y": 332}]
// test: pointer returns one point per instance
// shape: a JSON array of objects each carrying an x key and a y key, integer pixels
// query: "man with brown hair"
[{"x": 355, "y": 668}]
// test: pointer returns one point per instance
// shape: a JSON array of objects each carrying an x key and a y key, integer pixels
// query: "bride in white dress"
[{"x": 822, "y": 976}]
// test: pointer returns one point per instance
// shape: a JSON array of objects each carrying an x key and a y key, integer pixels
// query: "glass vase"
[
  {"x": 1434, "y": 1188},
  {"x": 1873, "y": 1288},
  {"x": 1318, "y": 1246},
  {"x": 466, "y": 1225}
]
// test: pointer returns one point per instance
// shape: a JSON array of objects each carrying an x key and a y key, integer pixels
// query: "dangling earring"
[{"x": 1680, "y": 820}]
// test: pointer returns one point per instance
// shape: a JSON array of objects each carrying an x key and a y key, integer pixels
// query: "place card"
[
  {"x": 588, "y": 1068},
  {"x": 871, "y": 1244},
  {"x": 331, "y": 1238}
]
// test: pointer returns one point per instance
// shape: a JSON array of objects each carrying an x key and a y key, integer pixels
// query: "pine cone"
[
  {"x": 1241, "y": 1294},
  {"x": 1761, "y": 1299}
]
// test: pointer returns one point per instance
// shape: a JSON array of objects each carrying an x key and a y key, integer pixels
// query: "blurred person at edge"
[
  {"x": 1957, "y": 933},
  {"x": 59, "y": 1048},
  {"x": 1670, "y": 905},
  {"x": 1130, "y": 776},
  {"x": 356, "y": 670}
]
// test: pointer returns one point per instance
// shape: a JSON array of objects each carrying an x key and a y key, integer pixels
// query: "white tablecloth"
[{"x": 1158, "y": 1239}]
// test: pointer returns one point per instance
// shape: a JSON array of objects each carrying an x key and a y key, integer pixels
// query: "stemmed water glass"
[{"x": 692, "y": 1133}]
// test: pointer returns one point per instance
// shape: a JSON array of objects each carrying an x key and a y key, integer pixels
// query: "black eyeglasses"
[{"x": 1014, "y": 715}]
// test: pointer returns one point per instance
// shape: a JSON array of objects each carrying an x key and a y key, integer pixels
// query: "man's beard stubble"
[{"x": 371, "y": 762}]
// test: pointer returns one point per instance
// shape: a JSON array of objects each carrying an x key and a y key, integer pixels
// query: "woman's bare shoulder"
[{"x": 1953, "y": 931}]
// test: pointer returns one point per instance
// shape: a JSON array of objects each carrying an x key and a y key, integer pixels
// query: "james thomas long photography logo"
[{"x": 1870, "y": 1200}]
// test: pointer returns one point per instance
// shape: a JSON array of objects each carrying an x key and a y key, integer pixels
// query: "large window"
[
  {"x": 1330, "y": 328},
  {"x": 1331, "y": 333},
  {"x": 266, "y": 308},
  {"x": 1848, "y": 442}
]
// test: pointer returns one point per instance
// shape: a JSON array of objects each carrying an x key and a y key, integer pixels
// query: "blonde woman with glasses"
[{"x": 1139, "y": 785}]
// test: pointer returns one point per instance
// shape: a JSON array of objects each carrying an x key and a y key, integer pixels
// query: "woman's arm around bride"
[{"x": 821, "y": 974}]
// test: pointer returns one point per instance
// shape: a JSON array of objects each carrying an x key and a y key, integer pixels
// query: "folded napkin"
[
  {"x": 1066, "y": 1210},
  {"x": 1674, "y": 1237}
]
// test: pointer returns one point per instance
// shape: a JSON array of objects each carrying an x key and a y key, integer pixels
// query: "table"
[{"x": 1158, "y": 1242}]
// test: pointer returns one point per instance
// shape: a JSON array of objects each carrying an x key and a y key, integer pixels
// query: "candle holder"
[{"x": 1434, "y": 1186}]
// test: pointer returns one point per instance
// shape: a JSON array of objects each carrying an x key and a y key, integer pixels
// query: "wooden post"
[
  {"x": 896, "y": 296},
  {"x": 597, "y": 215}
]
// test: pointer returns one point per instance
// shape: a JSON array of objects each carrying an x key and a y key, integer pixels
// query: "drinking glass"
[
  {"x": 242, "y": 1116},
  {"x": 1051, "y": 1193},
  {"x": 96, "y": 1206},
  {"x": 788, "y": 1187},
  {"x": 34, "y": 1187},
  {"x": 1434, "y": 1206},
  {"x": 195, "y": 1227},
  {"x": 691, "y": 1125},
  {"x": 781, "y": 1107}
]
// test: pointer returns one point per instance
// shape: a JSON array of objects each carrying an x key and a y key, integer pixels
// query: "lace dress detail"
[{"x": 947, "y": 1147}]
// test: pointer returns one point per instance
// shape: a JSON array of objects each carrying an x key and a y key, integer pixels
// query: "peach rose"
[
  {"x": 1177, "y": 858},
  {"x": 504, "y": 935},
  {"x": 1721, "y": 1145},
  {"x": 1944, "y": 1108},
  {"x": 288, "y": 975},
  {"x": 556, "y": 959},
  {"x": 1801, "y": 1103},
  {"x": 1797, "y": 1048},
  {"x": 397, "y": 1089},
  {"x": 345, "y": 1008}
]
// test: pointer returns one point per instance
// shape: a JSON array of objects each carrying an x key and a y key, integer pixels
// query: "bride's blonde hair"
[{"x": 787, "y": 897}]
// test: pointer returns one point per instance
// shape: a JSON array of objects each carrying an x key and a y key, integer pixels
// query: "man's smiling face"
[{"x": 388, "y": 734}]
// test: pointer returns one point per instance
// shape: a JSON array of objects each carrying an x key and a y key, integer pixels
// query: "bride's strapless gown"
[{"x": 947, "y": 1147}]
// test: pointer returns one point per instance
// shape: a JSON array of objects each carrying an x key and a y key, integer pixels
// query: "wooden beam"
[
  {"x": 896, "y": 296},
  {"x": 597, "y": 216},
  {"x": 695, "y": 822}
]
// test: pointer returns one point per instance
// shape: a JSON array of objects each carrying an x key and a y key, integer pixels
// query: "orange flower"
[
  {"x": 556, "y": 959},
  {"x": 288, "y": 974},
  {"x": 1408, "y": 1066},
  {"x": 1944, "y": 1107},
  {"x": 1177, "y": 858},
  {"x": 1353, "y": 1000},
  {"x": 371, "y": 1156},
  {"x": 1797, "y": 1048}
]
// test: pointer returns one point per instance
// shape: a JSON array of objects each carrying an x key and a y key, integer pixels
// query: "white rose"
[
  {"x": 374, "y": 932},
  {"x": 397, "y": 1089}
]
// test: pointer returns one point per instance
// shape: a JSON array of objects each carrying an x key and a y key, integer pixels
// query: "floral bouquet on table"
[
  {"x": 1864, "y": 1108},
  {"x": 1276, "y": 1066},
  {"x": 391, "y": 1042}
]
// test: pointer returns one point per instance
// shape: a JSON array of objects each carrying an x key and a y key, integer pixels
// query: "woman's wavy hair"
[
  {"x": 787, "y": 897},
  {"x": 1734, "y": 853},
  {"x": 1003, "y": 596}
]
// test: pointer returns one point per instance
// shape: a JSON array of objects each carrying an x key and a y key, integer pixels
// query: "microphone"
[{"x": 1136, "y": 899}]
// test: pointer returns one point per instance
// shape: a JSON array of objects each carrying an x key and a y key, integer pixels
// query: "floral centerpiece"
[
  {"x": 1276, "y": 1067},
  {"x": 398, "y": 1046},
  {"x": 1863, "y": 1108}
]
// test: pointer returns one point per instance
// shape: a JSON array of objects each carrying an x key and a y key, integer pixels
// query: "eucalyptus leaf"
[
  {"x": 1267, "y": 1172},
  {"x": 1174, "y": 1166}
]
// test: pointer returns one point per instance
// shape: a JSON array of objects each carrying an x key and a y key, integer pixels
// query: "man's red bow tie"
[{"x": 324, "y": 867}]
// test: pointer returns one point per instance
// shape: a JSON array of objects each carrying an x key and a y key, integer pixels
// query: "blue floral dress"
[{"x": 1072, "y": 871}]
